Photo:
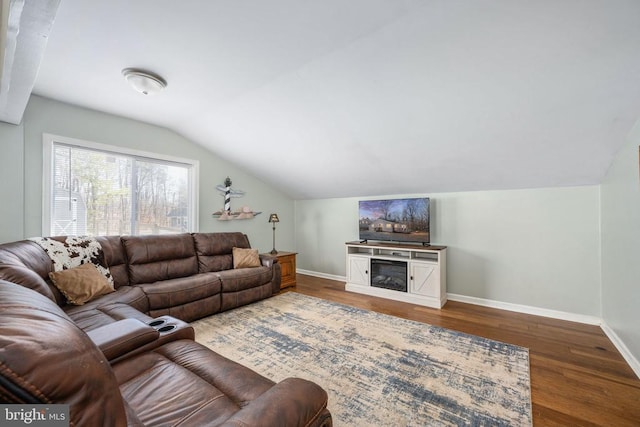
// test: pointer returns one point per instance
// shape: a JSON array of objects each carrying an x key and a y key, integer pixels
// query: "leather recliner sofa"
[
  {"x": 45, "y": 358},
  {"x": 129, "y": 357},
  {"x": 187, "y": 276}
]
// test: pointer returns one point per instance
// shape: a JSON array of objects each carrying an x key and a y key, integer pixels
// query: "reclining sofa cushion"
[
  {"x": 239, "y": 286},
  {"x": 27, "y": 264},
  {"x": 116, "y": 258},
  {"x": 160, "y": 257},
  {"x": 73, "y": 371},
  {"x": 102, "y": 312},
  {"x": 215, "y": 250},
  {"x": 184, "y": 383},
  {"x": 187, "y": 298},
  {"x": 243, "y": 279},
  {"x": 166, "y": 269},
  {"x": 231, "y": 300},
  {"x": 130, "y": 295},
  {"x": 245, "y": 285}
]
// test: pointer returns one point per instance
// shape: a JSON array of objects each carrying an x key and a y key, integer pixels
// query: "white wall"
[
  {"x": 621, "y": 247},
  {"x": 538, "y": 247},
  {"x": 47, "y": 116}
]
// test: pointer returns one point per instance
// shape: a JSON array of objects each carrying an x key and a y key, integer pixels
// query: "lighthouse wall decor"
[{"x": 226, "y": 214}]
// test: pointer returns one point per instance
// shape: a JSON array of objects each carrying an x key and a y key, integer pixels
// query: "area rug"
[{"x": 378, "y": 370}]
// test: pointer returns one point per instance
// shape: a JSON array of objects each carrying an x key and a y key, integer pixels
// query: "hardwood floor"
[{"x": 578, "y": 377}]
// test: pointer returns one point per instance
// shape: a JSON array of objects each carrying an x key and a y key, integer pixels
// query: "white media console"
[{"x": 409, "y": 273}]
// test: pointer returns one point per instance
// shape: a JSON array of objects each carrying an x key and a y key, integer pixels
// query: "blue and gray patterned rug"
[{"x": 378, "y": 370}]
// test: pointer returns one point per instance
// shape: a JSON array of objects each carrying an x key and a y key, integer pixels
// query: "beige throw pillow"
[
  {"x": 81, "y": 284},
  {"x": 243, "y": 258}
]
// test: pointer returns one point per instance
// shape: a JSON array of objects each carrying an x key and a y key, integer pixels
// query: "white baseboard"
[
  {"x": 322, "y": 275},
  {"x": 622, "y": 348},
  {"x": 527, "y": 309}
]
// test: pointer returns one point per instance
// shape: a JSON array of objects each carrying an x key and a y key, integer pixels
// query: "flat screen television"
[{"x": 397, "y": 220}]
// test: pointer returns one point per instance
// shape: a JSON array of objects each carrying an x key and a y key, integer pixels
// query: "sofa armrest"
[
  {"x": 291, "y": 402},
  {"x": 268, "y": 260},
  {"x": 122, "y": 337}
]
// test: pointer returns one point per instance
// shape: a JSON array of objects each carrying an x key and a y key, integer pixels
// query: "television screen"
[{"x": 400, "y": 220}]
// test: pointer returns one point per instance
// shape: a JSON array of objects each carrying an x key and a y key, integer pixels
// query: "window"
[{"x": 100, "y": 190}]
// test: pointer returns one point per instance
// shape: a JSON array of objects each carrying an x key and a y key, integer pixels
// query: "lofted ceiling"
[{"x": 342, "y": 98}]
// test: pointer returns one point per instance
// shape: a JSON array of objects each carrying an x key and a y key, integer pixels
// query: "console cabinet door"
[
  {"x": 425, "y": 279},
  {"x": 358, "y": 270}
]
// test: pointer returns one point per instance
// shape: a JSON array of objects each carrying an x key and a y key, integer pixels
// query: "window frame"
[{"x": 48, "y": 141}]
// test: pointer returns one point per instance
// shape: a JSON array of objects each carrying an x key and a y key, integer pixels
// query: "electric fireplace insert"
[{"x": 389, "y": 274}]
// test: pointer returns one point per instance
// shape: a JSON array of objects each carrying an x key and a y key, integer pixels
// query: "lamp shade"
[{"x": 273, "y": 218}]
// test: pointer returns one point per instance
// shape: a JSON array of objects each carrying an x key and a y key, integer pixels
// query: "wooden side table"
[{"x": 287, "y": 261}]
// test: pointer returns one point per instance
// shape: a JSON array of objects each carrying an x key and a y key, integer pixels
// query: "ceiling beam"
[{"x": 25, "y": 28}]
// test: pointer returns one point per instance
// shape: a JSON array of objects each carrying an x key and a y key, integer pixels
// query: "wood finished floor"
[{"x": 578, "y": 377}]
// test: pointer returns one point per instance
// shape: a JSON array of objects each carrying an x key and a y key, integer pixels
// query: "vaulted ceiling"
[{"x": 367, "y": 97}]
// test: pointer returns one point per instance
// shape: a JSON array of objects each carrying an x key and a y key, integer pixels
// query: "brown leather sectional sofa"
[
  {"x": 129, "y": 357},
  {"x": 188, "y": 276}
]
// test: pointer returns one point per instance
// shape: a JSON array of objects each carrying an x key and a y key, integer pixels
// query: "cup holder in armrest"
[
  {"x": 162, "y": 326},
  {"x": 157, "y": 323},
  {"x": 166, "y": 328},
  {"x": 169, "y": 328}
]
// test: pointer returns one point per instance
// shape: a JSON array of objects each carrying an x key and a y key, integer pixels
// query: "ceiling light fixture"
[{"x": 143, "y": 81}]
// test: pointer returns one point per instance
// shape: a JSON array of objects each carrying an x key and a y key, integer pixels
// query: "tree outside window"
[{"x": 98, "y": 192}]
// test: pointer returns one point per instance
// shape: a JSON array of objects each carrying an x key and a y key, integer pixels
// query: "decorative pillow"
[
  {"x": 243, "y": 258},
  {"x": 73, "y": 252},
  {"x": 81, "y": 284}
]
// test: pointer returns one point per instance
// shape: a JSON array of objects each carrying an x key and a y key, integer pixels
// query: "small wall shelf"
[
  {"x": 424, "y": 271},
  {"x": 228, "y": 216}
]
